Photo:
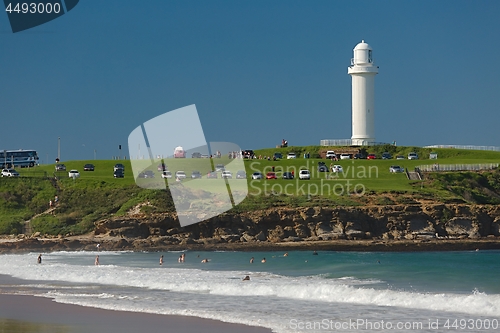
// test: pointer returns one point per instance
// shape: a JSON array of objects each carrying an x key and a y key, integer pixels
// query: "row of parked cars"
[{"x": 226, "y": 174}]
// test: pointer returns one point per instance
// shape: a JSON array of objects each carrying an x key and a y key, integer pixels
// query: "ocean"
[{"x": 298, "y": 292}]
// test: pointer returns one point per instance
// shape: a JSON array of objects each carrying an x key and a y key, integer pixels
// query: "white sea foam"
[{"x": 268, "y": 298}]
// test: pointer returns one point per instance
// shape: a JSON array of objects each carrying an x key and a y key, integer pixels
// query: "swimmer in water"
[
  {"x": 204, "y": 261},
  {"x": 286, "y": 254},
  {"x": 161, "y": 260},
  {"x": 263, "y": 260},
  {"x": 246, "y": 278},
  {"x": 39, "y": 260},
  {"x": 251, "y": 260},
  {"x": 96, "y": 260}
]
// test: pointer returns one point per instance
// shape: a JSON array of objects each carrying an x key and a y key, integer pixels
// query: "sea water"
[{"x": 298, "y": 292}]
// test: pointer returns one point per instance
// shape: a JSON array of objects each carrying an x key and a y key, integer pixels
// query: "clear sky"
[{"x": 258, "y": 72}]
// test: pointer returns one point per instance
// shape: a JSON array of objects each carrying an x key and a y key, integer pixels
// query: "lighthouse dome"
[
  {"x": 362, "y": 46},
  {"x": 362, "y": 54}
]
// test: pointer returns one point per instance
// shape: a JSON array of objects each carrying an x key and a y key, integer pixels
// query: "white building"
[{"x": 363, "y": 71}]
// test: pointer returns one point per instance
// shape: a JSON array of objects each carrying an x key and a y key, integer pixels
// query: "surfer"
[
  {"x": 39, "y": 260},
  {"x": 315, "y": 253},
  {"x": 251, "y": 260},
  {"x": 204, "y": 261},
  {"x": 246, "y": 278},
  {"x": 286, "y": 254}
]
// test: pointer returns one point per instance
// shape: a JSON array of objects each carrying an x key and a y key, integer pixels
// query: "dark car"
[
  {"x": 118, "y": 173},
  {"x": 248, "y": 153},
  {"x": 322, "y": 167},
  {"x": 88, "y": 167},
  {"x": 386, "y": 156},
  {"x": 196, "y": 155},
  {"x": 195, "y": 174},
  {"x": 60, "y": 167},
  {"x": 278, "y": 156},
  {"x": 212, "y": 174},
  {"x": 287, "y": 175},
  {"x": 119, "y": 166},
  {"x": 147, "y": 174},
  {"x": 359, "y": 156}
]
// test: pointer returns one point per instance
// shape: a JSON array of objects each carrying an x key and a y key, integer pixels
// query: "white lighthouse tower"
[{"x": 363, "y": 71}]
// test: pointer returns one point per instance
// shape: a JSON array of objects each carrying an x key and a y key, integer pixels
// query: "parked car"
[
  {"x": 287, "y": 175},
  {"x": 241, "y": 174},
  {"x": 359, "y": 156},
  {"x": 304, "y": 174},
  {"x": 412, "y": 156},
  {"x": 119, "y": 166},
  {"x": 271, "y": 175},
  {"x": 337, "y": 168},
  {"x": 73, "y": 174},
  {"x": 220, "y": 167},
  {"x": 60, "y": 167},
  {"x": 248, "y": 153},
  {"x": 118, "y": 173},
  {"x": 396, "y": 168},
  {"x": 166, "y": 174},
  {"x": 10, "y": 173},
  {"x": 179, "y": 152},
  {"x": 291, "y": 155},
  {"x": 386, "y": 156},
  {"x": 278, "y": 156},
  {"x": 196, "y": 155},
  {"x": 371, "y": 157},
  {"x": 400, "y": 157},
  {"x": 212, "y": 174},
  {"x": 226, "y": 174},
  {"x": 88, "y": 167},
  {"x": 257, "y": 175},
  {"x": 330, "y": 154},
  {"x": 180, "y": 174},
  {"x": 147, "y": 174},
  {"x": 195, "y": 174},
  {"x": 345, "y": 156},
  {"x": 322, "y": 167}
]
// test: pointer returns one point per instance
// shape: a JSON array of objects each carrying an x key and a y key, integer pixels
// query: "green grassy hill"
[{"x": 96, "y": 195}]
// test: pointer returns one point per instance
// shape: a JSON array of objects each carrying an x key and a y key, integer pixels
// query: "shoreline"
[
  {"x": 22, "y": 313},
  {"x": 151, "y": 244}
]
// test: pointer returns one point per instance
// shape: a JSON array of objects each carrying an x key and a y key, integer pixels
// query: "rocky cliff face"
[
  {"x": 413, "y": 227},
  {"x": 395, "y": 222}
]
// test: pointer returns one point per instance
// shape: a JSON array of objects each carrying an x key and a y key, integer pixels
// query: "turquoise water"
[{"x": 285, "y": 293}]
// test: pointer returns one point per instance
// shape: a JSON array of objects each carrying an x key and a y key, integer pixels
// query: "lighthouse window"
[{"x": 369, "y": 55}]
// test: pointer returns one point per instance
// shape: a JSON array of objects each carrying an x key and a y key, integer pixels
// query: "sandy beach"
[{"x": 23, "y": 313}]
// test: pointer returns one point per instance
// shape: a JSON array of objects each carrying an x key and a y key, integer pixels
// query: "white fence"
[
  {"x": 348, "y": 142},
  {"x": 465, "y": 147},
  {"x": 457, "y": 167}
]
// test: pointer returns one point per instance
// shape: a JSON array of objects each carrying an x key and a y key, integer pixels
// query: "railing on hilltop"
[
  {"x": 457, "y": 167},
  {"x": 348, "y": 142},
  {"x": 470, "y": 147}
]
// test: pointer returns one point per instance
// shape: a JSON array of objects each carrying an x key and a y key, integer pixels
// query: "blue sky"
[{"x": 258, "y": 72}]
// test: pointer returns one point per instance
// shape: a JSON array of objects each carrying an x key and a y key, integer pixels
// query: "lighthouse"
[{"x": 363, "y": 71}]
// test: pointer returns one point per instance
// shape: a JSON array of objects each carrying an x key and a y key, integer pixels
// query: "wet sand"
[{"x": 20, "y": 313}]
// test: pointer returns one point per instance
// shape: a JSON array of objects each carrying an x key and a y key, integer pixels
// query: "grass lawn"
[{"x": 97, "y": 194}]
